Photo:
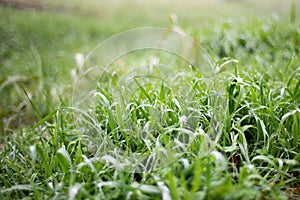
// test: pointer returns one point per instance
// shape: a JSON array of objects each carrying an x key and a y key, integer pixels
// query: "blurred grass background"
[
  {"x": 40, "y": 38},
  {"x": 157, "y": 10}
]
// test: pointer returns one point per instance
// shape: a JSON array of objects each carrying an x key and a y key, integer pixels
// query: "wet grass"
[{"x": 232, "y": 135}]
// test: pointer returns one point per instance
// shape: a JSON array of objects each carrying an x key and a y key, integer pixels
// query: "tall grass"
[{"x": 164, "y": 135}]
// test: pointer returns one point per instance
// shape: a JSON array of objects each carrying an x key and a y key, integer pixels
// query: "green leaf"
[
  {"x": 264, "y": 159},
  {"x": 172, "y": 183},
  {"x": 297, "y": 157},
  {"x": 143, "y": 89},
  {"x": 64, "y": 159},
  {"x": 295, "y": 129},
  {"x": 44, "y": 158},
  {"x": 18, "y": 187}
]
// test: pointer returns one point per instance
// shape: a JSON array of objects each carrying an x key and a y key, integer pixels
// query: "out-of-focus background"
[
  {"x": 40, "y": 38},
  {"x": 140, "y": 11}
]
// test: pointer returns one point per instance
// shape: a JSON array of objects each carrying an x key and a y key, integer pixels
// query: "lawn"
[{"x": 203, "y": 105}]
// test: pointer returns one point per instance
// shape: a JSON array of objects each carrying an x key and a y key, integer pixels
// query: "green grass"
[{"x": 232, "y": 135}]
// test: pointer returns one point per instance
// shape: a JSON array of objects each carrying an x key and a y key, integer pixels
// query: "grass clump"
[{"x": 169, "y": 133}]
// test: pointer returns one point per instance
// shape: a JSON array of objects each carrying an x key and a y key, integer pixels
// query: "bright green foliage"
[{"x": 241, "y": 125}]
